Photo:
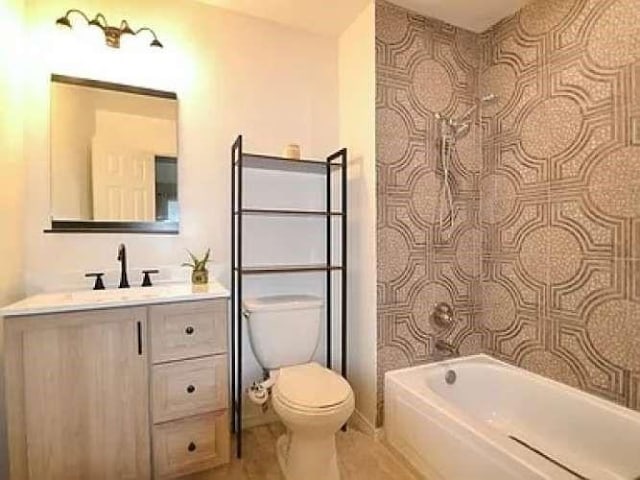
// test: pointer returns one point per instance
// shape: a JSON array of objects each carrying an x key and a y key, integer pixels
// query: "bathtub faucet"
[{"x": 446, "y": 348}]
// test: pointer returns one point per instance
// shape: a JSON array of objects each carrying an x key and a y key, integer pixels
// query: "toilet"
[{"x": 312, "y": 401}]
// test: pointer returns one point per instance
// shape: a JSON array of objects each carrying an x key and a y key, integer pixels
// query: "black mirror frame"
[{"x": 98, "y": 226}]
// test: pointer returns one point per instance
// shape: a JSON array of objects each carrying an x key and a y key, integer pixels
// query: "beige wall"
[
  {"x": 11, "y": 146},
  {"x": 233, "y": 74},
  {"x": 139, "y": 132},
  {"x": 11, "y": 176},
  {"x": 357, "y": 128}
]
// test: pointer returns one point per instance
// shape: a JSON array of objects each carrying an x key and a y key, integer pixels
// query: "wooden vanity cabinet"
[
  {"x": 189, "y": 387},
  {"x": 124, "y": 393}
]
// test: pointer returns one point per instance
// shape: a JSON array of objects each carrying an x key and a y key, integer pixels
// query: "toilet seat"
[{"x": 312, "y": 388}]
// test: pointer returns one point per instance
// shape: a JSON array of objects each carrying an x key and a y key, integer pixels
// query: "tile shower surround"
[{"x": 542, "y": 264}]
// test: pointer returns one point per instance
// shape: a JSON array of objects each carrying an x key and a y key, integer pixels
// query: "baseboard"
[
  {"x": 359, "y": 422},
  {"x": 401, "y": 458}
]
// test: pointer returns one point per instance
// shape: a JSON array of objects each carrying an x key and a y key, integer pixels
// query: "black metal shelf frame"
[
  {"x": 239, "y": 161},
  {"x": 276, "y": 212},
  {"x": 264, "y": 269}
]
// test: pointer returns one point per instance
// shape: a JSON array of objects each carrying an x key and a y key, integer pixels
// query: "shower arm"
[
  {"x": 472, "y": 109},
  {"x": 466, "y": 115}
]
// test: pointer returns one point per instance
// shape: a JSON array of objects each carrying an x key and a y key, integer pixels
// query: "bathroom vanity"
[{"x": 119, "y": 384}]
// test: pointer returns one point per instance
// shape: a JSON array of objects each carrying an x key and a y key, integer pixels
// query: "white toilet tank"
[{"x": 284, "y": 330}]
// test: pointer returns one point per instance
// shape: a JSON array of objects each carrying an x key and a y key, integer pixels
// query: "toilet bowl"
[{"x": 313, "y": 402}]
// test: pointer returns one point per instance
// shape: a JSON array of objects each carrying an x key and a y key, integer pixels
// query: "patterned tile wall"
[
  {"x": 542, "y": 264},
  {"x": 560, "y": 193},
  {"x": 424, "y": 67}
]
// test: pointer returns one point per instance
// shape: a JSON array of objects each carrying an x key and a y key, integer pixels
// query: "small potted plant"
[{"x": 199, "y": 274}]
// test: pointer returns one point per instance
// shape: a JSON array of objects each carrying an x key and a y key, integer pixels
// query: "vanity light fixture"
[{"x": 112, "y": 35}]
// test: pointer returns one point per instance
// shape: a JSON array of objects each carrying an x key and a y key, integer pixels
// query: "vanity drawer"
[
  {"x": 187, "y": 330},
  {"x": 191, "y": 445},
  {"x": 189, "y": 387}
]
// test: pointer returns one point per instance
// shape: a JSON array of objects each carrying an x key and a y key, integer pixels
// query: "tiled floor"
[{"x": 360, "y": 458}]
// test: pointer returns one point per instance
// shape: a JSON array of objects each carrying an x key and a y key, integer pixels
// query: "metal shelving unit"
[{"x": 335, "y": 163}]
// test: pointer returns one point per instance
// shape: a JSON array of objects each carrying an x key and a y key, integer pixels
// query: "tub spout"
[{"x": 446, "y": 348}]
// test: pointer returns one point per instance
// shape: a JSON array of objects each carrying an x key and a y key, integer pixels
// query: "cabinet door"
[{"x": 86, "y": 396}]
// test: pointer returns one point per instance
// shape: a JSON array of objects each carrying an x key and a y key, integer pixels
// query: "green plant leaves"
[{"x": 198, "y": 264}]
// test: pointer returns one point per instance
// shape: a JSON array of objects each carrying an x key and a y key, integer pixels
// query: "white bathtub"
[{"x": 498, "y": 422}]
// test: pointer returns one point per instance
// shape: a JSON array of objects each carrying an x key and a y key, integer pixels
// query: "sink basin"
[{"x": 120, "y": 295}]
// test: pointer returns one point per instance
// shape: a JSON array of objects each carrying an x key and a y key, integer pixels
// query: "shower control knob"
[
  {"x": 443, "y": 307},
  {"x": 442, "y": 314}
]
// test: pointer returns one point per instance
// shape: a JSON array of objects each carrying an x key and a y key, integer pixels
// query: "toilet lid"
[{"x": 312, "y": 386}]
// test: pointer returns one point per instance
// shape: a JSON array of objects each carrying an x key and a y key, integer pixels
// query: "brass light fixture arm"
[
  {"x": 125, "y": 28},
  {"x": 155, "y": 42},
  {"x": 112, "y": 34},
  {"x": 146, "y": 29},
  {"x": 96, "y": 21},
  {"x": 75, "y": 10}
]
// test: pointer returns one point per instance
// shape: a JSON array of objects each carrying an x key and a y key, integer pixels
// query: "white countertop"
[{"x": 112, "y": 298}]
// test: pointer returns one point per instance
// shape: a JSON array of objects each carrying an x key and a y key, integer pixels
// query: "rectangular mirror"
[{"x": 114, "y": 157}]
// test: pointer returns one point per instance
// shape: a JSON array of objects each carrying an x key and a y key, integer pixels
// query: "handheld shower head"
[{"x": 451, "y": 129}]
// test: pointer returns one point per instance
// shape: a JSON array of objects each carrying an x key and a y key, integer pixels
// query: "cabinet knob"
[
  {"x": 192, "y": 447},
  {"x": 189, "y": 330},
  {"x": 191, "y": 389}
]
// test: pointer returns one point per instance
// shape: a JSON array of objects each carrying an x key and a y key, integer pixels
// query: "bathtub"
[{"x": 499, "y": 422}]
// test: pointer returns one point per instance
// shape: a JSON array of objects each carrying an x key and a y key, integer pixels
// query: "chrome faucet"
[
  {"x": 122, "y": 258},
  {"x": 446, "y": 348}
]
